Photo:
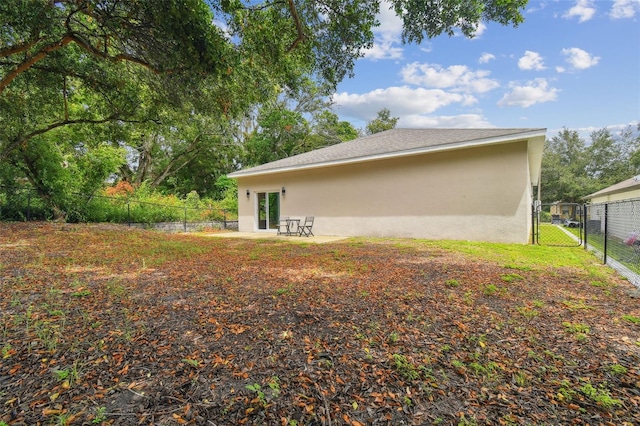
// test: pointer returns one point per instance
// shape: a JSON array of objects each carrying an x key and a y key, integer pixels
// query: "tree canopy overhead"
[
  {"x": 257, "y": 43},
  {"x": 78, "y": 75}
]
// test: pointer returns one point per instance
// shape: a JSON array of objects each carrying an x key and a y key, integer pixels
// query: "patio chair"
[
  {"x": 304, "y": 230},
  {"x": 283, "y": 226}
]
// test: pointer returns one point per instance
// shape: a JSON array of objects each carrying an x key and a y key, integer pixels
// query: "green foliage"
[
  {"x": 512, "y": 277},
  {"x": 405, "y": 367},
  {"x": 618, "y": 369},
  {"x": 282, "y": 128},
  {"x": 260, "y": 395},
  {"x": 328, "y": 127},
  {"x": 580, "y": 331},
  {"x": 492, "y": 290},
  {"x": 572, "y": 168},
  {"x": 279, "y": 135},
  {"x": 101, "y": 415},
  {"x": 382, "y": 122},
  {"x": 527, "y": 312},
  {"x": 83, "y": 82},
  {"x": 452, "y": 282},
  {"x": 192, "y": 362},
  {"x": 143, "y": 205},
  {"x": 631, "y": 318},
  {"x": 600, "y": 395},
  {"x": 169, "y": 83}
]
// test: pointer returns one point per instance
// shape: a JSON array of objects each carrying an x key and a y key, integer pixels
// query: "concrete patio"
[{"x": 317, "y": 239}]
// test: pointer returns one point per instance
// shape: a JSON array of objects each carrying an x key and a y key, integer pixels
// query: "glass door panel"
[
  {"x": 262, "y": 210},
  {"x": 267, "y": 210},
  {"x": 274, "y": 210}
]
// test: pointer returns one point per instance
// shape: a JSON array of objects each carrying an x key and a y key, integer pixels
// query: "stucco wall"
[{"x": 480, "y": 194}]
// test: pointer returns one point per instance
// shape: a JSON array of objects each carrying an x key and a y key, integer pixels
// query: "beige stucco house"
[
  {"x": 463, "y": 184},
  {"x": 625, "y": 190}
]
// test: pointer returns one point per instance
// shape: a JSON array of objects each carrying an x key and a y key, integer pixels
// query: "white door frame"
[{"x": 267, "y": 211}]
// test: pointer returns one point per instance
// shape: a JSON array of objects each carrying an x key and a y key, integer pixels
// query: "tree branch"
[
  {"x": 296, "y": 18},
  {"x": 30, "y": 61},
  {"x": 65, "y": 40},
  {"x": 117, "y": 58},
  {"x": 52, "y": 126},
  {"x": 12, "y": 50}
]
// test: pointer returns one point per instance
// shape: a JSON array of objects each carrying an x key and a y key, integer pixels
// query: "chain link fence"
[
  {"x": 557, "y": 224},
  {"x": 613, "y": 234},
  {"x": 25, "y": 204}
]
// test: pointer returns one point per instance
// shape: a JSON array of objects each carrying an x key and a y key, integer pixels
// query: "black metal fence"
[
  {"x": 25, "y": 204},
  {"x": 557, "y": 224},
  {"x": 612, "y": 232}
]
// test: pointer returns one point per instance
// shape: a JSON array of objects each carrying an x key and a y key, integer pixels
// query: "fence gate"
[{"x": 557, "y": 224}]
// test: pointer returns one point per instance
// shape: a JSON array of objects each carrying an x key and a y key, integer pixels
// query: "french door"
[{"x": 267, "y": 210}]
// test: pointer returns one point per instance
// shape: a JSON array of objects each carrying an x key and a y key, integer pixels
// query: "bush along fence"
[
  {"x": 612, "y": 232},
  {"x": 191, "y": 214}
]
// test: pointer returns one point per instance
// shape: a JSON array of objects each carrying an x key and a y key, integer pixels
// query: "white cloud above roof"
[
  {"x": 583, "y": 10},
  {"x": 533, "y": 92},
  {"x": 486, "y": 57},
  {"x": 458, "y": 78},
  {"x": 462, "y": 121},
  {"x": 400, "y": 100},
  {"x": 624, "y": 9},
  {"x": 445, "y": 81},
  {"x": 580, "y": 59},
  {"x": 388, "y": 36},
  {"x": 531, "y": 61}
]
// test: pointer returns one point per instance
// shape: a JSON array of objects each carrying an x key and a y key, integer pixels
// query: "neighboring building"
[
  {"x": 561, "y": 211},
  {"x": 624, "y": 190},
  {"x": 461, "y": 184}
]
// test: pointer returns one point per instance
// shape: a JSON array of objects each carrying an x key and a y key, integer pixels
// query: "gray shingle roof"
[
  {"x": 625, "y": 185},
  {"x": 393, "y": 143}
]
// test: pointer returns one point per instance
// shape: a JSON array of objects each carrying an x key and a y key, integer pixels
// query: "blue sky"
[{"x": 572, "y": 63}]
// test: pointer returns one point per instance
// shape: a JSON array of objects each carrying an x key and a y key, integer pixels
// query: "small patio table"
[{"x": 291, "y": 225}]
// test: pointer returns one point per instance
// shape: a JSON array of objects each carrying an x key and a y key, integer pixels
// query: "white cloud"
[
  {"x": 462, "y": 121},
  {"x": 458, "y": 78},
  {"x": 486, "y": 57},
  {"x": 622, "y": 9},
  {"x": 533, "y": 92},
  {"x": 482, "y": 27},
  {"x": 580, "y": 59},
  {"x": 388, "y": 36},
  {"x": 538, "y": 7},
  {"x": 531, "y": 61},
  {"x": 583, "y": 10},
  {"x": 400, "y": 100}
]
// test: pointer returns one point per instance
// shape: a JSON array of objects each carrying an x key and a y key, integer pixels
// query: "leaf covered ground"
[{"x": 113, "y": 326}]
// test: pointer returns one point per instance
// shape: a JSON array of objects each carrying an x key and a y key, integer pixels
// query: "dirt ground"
[{"x": 106, "y": 325}]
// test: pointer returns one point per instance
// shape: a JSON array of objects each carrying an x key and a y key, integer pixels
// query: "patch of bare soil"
[{"x": 104, "y": 325}]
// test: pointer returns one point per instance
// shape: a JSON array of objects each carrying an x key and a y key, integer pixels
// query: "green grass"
[
  {"x": 527, "y": 257},
  {"x": 555, "y": 235},
  {"x": 617, "y": 250}
]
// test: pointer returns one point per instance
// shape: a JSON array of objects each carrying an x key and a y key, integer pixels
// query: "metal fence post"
[
  {"x": 185, "y": 218},
  {"x": 606, "y": 230},
  {"x": 128, "y": 213},
  {"x": 533, "y": 223},
  {"x": 224, "y": 218},
  {"x": 585, "y": 224}
]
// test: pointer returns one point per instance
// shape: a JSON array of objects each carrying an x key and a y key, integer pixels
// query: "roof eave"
[
  {"x": 615, "y": 191},
  {"x": 530, "y": 135}
]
